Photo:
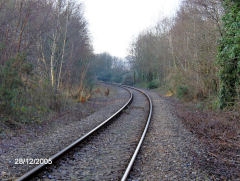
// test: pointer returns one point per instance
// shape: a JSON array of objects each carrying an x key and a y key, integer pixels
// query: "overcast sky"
[{"x": 113, "y": 24}]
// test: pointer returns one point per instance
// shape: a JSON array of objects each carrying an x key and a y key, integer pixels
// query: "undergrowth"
[{"x": 24, "y": 97}]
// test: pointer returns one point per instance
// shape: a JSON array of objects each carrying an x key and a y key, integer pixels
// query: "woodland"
[
  {"x": 45, "y": 51},
  {"x": 47, "y": 59},
  {"x": 193, "y": 59},
  {"x": 194, "y": 55}
]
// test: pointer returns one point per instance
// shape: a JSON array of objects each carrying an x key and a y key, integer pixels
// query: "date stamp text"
[{"x": 32, "y": 161}]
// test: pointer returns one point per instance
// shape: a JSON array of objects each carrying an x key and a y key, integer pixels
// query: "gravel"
[
  {"x": 107, "y": 154},
  {"x": 169, "y": 151},
  {"x": 65, "y": 130}
]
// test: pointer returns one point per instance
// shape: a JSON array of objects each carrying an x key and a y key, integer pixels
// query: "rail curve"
[
  {"x": 128, "y": 169},
  {"x": 30, "y": 174}
]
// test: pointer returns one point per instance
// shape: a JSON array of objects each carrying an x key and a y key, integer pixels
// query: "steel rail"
[
  {"x": 38, "y": 168},
  {"x": 128, "y": 169}
]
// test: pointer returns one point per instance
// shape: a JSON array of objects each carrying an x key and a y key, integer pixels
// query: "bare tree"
[{"x": 182, "y": 51}]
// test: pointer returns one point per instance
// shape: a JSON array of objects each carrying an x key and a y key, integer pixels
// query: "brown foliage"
[
  {"x": 51, "y": 38},
  {"x": 97, "y": 91},
  {"x": 182, "y": 51},
  {"x": 219, "y": 132},
  {"x": 106, "y": 92}
]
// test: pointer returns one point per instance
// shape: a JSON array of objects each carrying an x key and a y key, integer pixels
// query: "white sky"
[{"x": 113, "y": 24}]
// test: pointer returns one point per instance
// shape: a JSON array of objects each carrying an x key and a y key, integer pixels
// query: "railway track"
[{"x": 106, "y": 152}]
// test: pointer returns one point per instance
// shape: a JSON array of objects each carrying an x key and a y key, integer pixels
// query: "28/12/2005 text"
[{"x": 32, "y": 161}]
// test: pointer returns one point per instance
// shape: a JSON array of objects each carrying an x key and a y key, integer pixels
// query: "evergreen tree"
[{"x": 229, "y": 54}]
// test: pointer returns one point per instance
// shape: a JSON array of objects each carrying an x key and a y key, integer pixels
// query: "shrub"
[
  {"x": 21, "y": 97},
  {"x": 10, "y": 87},
  {"x": 182, "y": 91},
  {"x": 153, "y": 84},
  {"x": 128, "y": 79}
]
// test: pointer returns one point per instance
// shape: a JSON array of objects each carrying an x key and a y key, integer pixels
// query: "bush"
[
  {"x": 10, "y": 87},
  {"x": 153, "y": 84},
  {"x": 21, "y": 97},
  {"x": 182, "y": 91},
  {"x": 128, "y": 79}
]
